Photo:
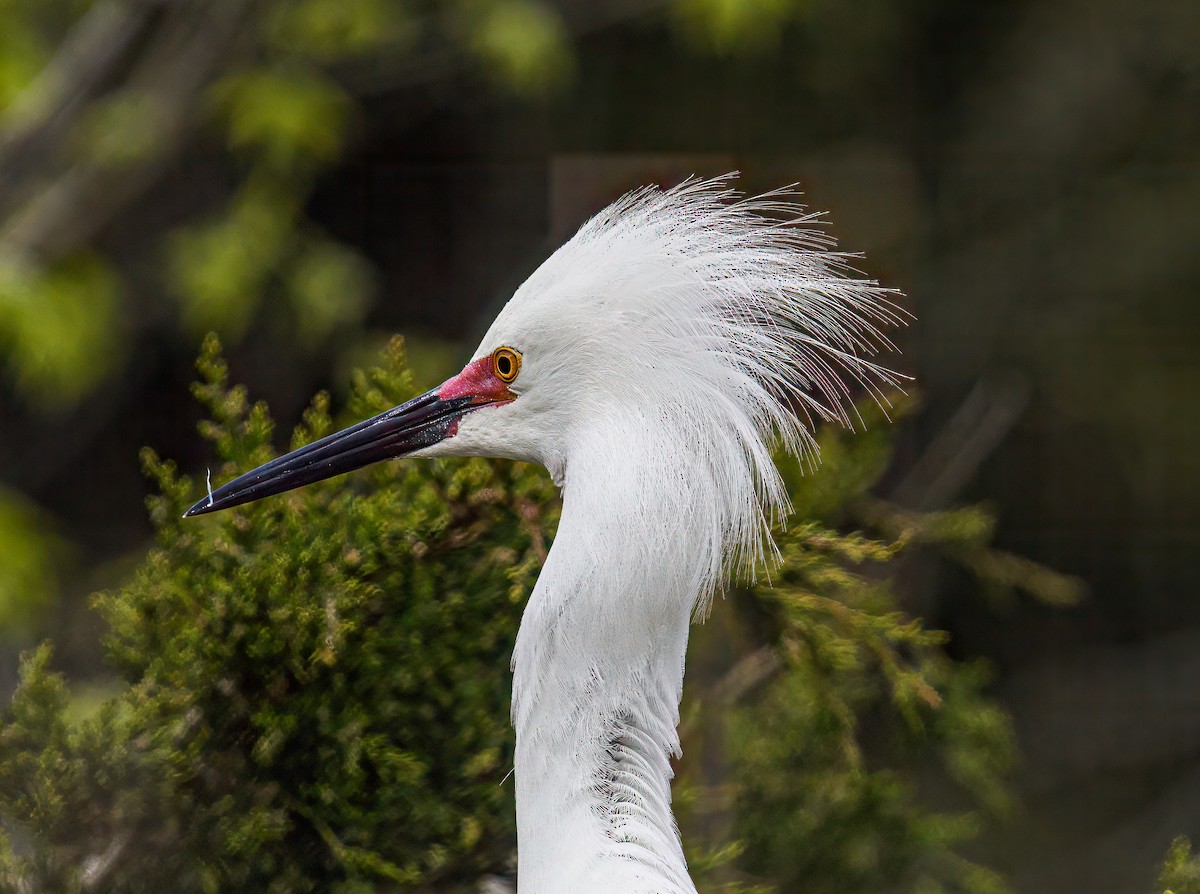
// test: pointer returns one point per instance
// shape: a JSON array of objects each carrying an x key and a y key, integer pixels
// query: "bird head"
[{"x": 687, "y": 323}]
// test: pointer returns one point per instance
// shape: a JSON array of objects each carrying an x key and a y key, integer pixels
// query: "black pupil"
[{"x": 504, "y": 364}]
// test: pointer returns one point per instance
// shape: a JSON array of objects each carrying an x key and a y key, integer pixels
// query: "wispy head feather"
[{"x": 697, "y": 328}]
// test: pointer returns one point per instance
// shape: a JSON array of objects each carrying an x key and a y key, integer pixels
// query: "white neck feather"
[{"x": 599, "y": 674}]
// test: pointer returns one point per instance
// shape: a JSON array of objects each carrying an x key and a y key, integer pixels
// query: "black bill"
[{"x": 420, "y": 422}]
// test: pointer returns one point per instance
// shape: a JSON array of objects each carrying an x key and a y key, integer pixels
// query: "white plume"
[{"x": 727, "y": 323}]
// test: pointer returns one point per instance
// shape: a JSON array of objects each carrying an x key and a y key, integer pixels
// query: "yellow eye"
[{"x": 506, "y": 363}]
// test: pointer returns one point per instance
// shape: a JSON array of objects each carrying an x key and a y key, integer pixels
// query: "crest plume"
[{"x": 734, "y": 322}]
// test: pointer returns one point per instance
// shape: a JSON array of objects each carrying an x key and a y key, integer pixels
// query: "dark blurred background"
[{"x": 306, "y": 178}]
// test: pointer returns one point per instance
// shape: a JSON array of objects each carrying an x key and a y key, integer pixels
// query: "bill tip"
[{"x": 198, "y": 509}]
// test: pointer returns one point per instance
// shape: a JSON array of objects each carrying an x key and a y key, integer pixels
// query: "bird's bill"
[{"x": 421, "y": 422}]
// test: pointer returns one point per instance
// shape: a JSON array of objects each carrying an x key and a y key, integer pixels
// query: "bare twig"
[{"x": 973, "y": 433}]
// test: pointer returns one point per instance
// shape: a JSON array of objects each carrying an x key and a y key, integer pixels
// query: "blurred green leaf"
[
  {"x": 329, "y": 285},
  {"x": 122, "y": 130},
  {"x": 329, "y": 30},
  {"x": 27, "y": 574},
  {"x": 22, "y": 55},
  {"x": 523, "y": 42},
  {"x": 732, "y": 26},
  {"x": 219, "y": 269},
  {"x": 1181, "y": 870},
  {"x": 289, "y": 116},
  {"x": 59, "y": 325}
]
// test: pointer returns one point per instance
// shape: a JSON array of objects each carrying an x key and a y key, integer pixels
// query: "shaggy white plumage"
[{"x": 665, "y": 348}]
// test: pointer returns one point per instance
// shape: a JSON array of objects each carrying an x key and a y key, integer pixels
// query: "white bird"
[{"x": 649, "y": 364}]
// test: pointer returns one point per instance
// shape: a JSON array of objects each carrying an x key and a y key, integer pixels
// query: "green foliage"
[
  {"x": 79, "y": 787},
  {"x": 317, "y": 685},
  {"x": 1181, "y": 870},
  {"x": 827, "y": 763},
  {"x": 963, "y": 535}
]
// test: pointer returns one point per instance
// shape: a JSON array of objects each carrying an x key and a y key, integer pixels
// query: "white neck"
[{"x": 598, "y": 677}]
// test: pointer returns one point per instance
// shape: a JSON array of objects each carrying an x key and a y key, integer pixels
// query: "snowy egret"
[{"x": 649, "y": 364}]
